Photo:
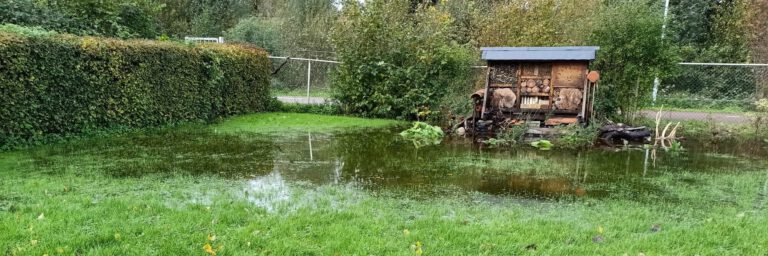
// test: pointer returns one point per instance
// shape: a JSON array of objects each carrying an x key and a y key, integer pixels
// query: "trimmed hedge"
[{"x": 60, "y": 85}]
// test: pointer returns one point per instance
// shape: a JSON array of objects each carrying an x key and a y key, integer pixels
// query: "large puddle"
[{"x": 378, "y": 159}]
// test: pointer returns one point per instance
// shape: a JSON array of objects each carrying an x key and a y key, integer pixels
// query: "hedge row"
[{"x": 61, "y": 85}]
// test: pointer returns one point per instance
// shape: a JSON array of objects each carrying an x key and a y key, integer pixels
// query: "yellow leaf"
[
  {"x": 33, "y": 242},
  {"x": 211, "y": 237},
  {"x": 600, "y": 229},
  {"x": 406, "y": 232},
  {"x": 208, "y": 249},
  {"x": 60, "y": 250},
  {"x": 117, "y": 236}
]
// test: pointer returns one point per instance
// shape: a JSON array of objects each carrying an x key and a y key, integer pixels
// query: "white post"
[
  {"x": 656, "y": 81},
  {"x": 309, "y": 78},
  {"x": 221, "y": 40}
]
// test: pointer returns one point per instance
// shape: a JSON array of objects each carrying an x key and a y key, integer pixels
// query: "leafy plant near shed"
[{"x": 423, "y": 134}]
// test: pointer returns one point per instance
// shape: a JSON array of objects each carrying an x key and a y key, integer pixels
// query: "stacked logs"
[{"x": 535, "y": 86}]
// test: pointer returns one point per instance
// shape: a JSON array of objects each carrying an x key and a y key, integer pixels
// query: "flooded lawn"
[{"x": 318, "y": 185}]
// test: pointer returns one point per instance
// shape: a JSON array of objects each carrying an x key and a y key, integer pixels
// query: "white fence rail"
[{"x": 218, "y": 40}]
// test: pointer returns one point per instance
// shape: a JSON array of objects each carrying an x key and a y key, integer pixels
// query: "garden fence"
[
  {"x": 301, "y": 77},
  {"x": 701, "y": 88},
  {"x": 727, "y": 87}
]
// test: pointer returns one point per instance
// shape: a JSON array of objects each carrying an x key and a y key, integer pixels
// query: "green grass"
[
  {"x": 295, "y": 122},
  {"x": 81, "y": 211},
  {"x": 170, "y": 192}
]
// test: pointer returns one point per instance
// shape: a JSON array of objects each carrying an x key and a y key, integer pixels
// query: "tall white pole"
[
  {"x": 309, "y": 79},
  {"x": 656, "y": 81}
]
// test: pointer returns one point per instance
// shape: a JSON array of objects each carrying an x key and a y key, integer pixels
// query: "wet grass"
[
  {"x": 280, "y": 123},
  {"x": 172, "y": 192}
]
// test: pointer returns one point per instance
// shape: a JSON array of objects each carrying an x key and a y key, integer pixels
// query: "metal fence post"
[{"x": 309, "y": 78}]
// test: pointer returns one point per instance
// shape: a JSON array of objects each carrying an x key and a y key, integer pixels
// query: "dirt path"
[{"x": 701, "y": 116}]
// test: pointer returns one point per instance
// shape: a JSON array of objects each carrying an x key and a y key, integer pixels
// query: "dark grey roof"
[{"x": 539, "y": 53}]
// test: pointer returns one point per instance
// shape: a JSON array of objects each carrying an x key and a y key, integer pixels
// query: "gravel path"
[{"x": 702, "y": 116}]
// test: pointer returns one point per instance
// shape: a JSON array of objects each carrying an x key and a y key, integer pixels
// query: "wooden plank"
[
  {"x": 535, "y": 77},
  {"x": 539, "y": 94},
  {"x": 569, "y": 74}
]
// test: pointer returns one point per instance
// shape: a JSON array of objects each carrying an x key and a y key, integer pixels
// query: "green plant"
[
  {"x": 257, "y": 31},
  {"x": 27, "y": 31},
  {"x": 423, "y": 134},
  {"x": 760, "y": 117},
  {"x": 397, "y": 62},
  {"x": 494, "y": 142},
  {"x": 542, "y": 144},
  {"x": 577, "y": 136},
  {"x": 58, "y": 86},
  {"x": 632, "y": 55}
]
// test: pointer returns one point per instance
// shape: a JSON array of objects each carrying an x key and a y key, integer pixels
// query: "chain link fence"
[
  {"x": 698, "y": 91},
  {"x": 714, "y": 87},
  {"x": 300, "y": 77}
]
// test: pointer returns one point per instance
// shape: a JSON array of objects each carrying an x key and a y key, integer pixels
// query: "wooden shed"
[{"x": 541, "y": 85}]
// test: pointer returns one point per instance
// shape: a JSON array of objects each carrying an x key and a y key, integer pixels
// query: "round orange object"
[{"x": 593, "y": 76}]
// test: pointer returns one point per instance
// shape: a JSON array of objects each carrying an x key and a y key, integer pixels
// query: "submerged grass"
[{"x": 168, "y": 192}]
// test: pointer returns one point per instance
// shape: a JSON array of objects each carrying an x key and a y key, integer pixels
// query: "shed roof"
[{"x": 539, "y": 53}]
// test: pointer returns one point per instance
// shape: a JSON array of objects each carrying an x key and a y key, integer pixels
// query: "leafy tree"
[
  {"x": 258, "y": 31},
  {"x": 125, "y": 18},
  {"x": 397, "y": 63},
  {"x": 631, "y": 55},
  {"x": 202, "y": 17}
]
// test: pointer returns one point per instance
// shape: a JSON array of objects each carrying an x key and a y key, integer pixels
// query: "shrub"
[
  {"x": 397, "y": 62},
  {"x": 64, "y": 85},
  {"x": 632, "y": 54},
  {"x": 257, "y": 31}
]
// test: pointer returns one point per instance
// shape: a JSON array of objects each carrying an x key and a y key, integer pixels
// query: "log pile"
[{"x": 535, "y": 86}]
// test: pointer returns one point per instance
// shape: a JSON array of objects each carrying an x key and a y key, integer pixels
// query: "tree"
[
  {"x": 397, "y": 63},
  {"x": 631, "y": 55}
]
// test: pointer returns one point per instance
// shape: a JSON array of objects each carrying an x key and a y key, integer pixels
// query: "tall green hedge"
[{"x": 61, "y": 85}]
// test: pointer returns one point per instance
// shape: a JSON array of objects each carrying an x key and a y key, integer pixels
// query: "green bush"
[
  {"x": 257, "y": 31},
  {"x": 397, "y": 62},
  {"x": 632, "y": 54},
  {"x": 63, "y": 85}
]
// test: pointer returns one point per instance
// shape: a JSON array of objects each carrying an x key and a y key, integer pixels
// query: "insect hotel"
[{"x": 537, "y": 86}]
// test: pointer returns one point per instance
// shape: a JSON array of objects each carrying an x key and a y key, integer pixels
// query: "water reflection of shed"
[{"x": 546, "y": 84}]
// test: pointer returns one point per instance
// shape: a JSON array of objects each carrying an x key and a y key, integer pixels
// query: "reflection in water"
[{"x": 379, "y": 159}]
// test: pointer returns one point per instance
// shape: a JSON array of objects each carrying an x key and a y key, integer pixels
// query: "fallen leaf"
[
  {"x": 208, "y": 249},
  {"x": 33, "y": 242},
  {"x": 211, "y": 237},
  {"x": 598, "y": 239},
  {"x": 41, "y": 216},
  {"x": 117, "y": 236},
  {"x": 406, "y": 232}
]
